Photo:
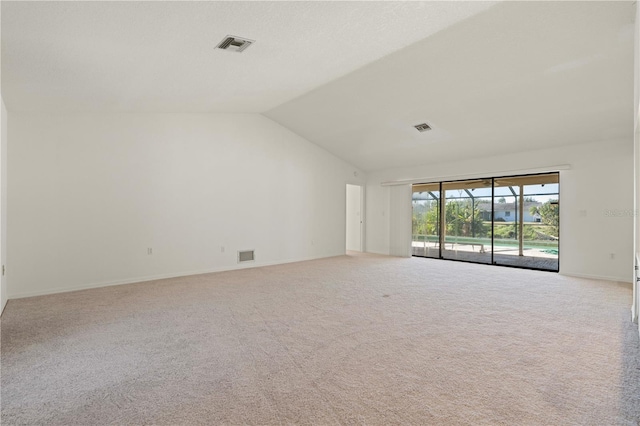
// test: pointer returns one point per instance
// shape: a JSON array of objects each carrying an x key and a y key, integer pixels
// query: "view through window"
[{"x": 511, "y": 221}]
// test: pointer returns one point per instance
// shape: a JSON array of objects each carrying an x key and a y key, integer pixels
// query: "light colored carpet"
[{"x": 348, "y": 340}]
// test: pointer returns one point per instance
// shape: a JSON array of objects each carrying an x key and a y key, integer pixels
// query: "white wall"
[
  {"x": 599, "y": 182},
  {"x": 401, "y": 210},
  {"x": 636, "y": 247},
  {"x": 636, "y": 105},
  {"x": 88, "y": 194},
  {"x": 3, "y": 209}
]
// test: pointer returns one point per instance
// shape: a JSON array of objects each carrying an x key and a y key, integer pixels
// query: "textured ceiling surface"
[
  {"x": 520, "y": 76},
  {"x": 159, "y": 56},
  {"x": 353, "y": 77}
]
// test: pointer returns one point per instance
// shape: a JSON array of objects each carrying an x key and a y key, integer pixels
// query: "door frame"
[{"x": 362, "y": 214}]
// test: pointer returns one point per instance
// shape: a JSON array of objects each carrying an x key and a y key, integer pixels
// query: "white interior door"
[{"x": 354, "y": 218}]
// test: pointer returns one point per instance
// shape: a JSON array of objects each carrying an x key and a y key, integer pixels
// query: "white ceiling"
[
  {"x": 160, "y": 57},
  {"x": 352, "y": 77},
  {"x": 520, "y": 76}
]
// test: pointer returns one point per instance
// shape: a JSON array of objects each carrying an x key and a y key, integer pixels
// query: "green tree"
[
  {"x": 431, "y": 219},
  {"x": 464, "y": 220},
  {"x": 549, "y": 214},
  {"x": 425, "y": 217}
]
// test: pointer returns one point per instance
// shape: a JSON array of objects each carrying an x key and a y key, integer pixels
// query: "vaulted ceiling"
[
  {"x": 156, "y": 56},
  {"x": 352, "y": 77}
]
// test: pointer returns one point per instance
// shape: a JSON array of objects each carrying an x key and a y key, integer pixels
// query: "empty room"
[{"x": 320, "y": 213}]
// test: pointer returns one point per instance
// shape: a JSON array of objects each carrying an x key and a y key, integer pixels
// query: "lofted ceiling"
[
  {"x": 146, "y": 56},
  {"x": 520, "y": 76},
  {"x": 353, "y": 77}
]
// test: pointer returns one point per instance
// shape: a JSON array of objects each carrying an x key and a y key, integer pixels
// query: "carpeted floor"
[{"x": 360, "y": 339}]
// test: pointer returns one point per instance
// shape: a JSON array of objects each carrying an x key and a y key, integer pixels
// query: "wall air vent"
[
  {"x": 422, "y": 127},
  {"x": 234, "y": 44},
  {"x": 246, "y": 256}
]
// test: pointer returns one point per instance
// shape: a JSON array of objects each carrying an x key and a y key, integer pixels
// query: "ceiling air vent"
[
  {"x": 422, "y": 127},
  {"x": 234, "y": 44}
]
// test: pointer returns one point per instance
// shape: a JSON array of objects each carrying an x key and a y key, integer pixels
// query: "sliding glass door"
[
  {"x": 426, "y": 220},
  {"x": 467, "y": 221},
  {"x": 527, "y": 221},
  {"x": 509, "y": 221}
]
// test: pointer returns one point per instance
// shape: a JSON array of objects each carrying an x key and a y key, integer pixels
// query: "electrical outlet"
[
  {"x": 221, "y": 249},
  {"x": 612, "y": 256},
  {"x": 149, "y": 251}
]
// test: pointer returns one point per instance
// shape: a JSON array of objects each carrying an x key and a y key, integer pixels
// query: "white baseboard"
[
  {"x": 596, "y": 277},
  {"x": 165, "y": 276},
  {"x": 134, "y": 280},
  {"x": 377, "y": 252}
]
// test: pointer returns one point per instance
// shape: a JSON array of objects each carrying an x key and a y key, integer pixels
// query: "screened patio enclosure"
[{"x": 510, "y": 221}]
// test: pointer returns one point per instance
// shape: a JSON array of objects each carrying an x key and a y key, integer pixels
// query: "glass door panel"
[
  {"x": 425, "y": 241},
  {"x": 528, "y": 236},
  {"x": 466, "y": 224},
  {"x": 506, "y": 219}
]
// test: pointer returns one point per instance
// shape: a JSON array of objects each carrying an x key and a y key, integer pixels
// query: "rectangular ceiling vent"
[
  {"x": 246, "y": 256},
  {"x": 235, "y": 44},
  {"x": 422, "y": 127}
]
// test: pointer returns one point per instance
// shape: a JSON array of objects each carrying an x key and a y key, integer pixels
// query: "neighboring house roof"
[{"x": 497, "y": 207}]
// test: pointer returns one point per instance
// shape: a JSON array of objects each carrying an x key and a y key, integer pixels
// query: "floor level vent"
[{"x": 246, "y": 256}]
